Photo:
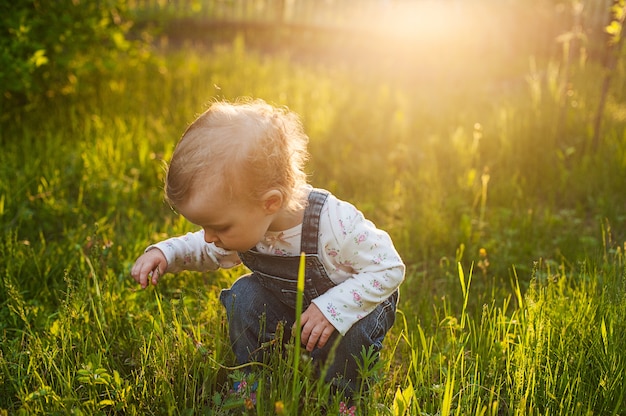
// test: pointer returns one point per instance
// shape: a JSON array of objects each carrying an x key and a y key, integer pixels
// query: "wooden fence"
[
  {"x": 540, "y": 20},
  {"x": 349, "y": 12}
]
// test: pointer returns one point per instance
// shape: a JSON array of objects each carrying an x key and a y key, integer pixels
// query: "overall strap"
[{"x": 311, "y": 221}]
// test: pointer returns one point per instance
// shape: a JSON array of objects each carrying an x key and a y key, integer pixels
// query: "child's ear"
[{"x": 273, "y": 201}]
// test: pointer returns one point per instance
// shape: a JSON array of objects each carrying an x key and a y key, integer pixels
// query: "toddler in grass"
[{"x": 237, "y": 173}]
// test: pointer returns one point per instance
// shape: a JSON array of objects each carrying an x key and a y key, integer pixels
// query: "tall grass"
[{"x": 530, "y": 324}]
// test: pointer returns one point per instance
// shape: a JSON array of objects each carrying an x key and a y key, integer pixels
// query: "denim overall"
[{"x": 257, "y": 302}]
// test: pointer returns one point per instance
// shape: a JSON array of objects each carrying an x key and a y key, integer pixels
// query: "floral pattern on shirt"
[
  {"x": 345, "y": 266},
  {"x": 280, "y": 252},
  {"x": 334, "y": 313},
  {"x": 356, "y": 297},
  {"x": 376, "y": 285},
  {"x": 379, "y": 258},
  {"x": 360, "y": 238}
]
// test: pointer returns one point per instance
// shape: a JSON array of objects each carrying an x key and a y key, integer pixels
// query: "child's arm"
[
  {"x": 191, "y": 252},
  {"x": 187, "y": 252},
  {"x": 360, "y": 259}
]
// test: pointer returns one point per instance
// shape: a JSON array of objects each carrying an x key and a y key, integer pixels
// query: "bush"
[{"x": 46, "y": 46}]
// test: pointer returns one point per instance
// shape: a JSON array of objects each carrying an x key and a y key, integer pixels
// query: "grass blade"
[{"x": 297, "y": 329}]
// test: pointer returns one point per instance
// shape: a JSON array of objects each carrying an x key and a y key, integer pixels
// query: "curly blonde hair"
[{"x": 246, "y": 148}]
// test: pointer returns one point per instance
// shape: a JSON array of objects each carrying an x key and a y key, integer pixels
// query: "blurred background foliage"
[{"x": 48, "y": 47}]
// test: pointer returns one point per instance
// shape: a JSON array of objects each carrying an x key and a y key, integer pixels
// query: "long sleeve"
[
  {"x": 361, "y": 259},
  {"x": 191, "y": 252}
]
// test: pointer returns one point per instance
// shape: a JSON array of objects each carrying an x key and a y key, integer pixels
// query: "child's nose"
[{"x": 210, "y": 236}]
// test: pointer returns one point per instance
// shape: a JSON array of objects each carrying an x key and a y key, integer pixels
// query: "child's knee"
[{"x": 242, "y": 294}]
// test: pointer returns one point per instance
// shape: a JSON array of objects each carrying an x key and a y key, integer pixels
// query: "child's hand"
[
  {"x": 149, "y": 267},
  {"x": 316, "y": 329}
]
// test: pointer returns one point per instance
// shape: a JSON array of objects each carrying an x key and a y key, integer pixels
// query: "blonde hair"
[{"x": 246, "y": 148}]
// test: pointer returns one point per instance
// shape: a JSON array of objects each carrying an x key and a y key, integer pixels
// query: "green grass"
[{"x": 532, "y": 326}]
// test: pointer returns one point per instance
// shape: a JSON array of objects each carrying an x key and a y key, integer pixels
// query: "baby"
[{"x": 237, "y": 173}]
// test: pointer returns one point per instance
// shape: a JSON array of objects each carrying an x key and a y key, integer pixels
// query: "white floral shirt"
[{"x": 359, "y": 258}]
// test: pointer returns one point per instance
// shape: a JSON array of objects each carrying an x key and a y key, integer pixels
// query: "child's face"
[{"x": 232, "y": 224}]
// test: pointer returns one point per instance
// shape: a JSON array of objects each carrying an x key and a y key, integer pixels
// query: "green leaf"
[
  {"x": 402, "y": 400},
  {"x": 605, "y": 338},
  {"x": 614, "y": 28},
  {"x": 399, "y": 407},
  {"x": 39, "y": 58}
]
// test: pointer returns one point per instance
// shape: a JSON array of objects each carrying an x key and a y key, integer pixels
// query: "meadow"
[{"x": 510, "y": 220}]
